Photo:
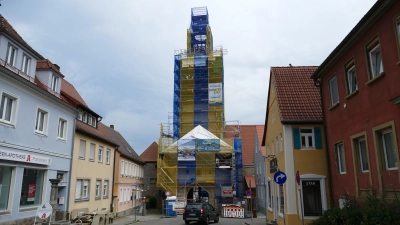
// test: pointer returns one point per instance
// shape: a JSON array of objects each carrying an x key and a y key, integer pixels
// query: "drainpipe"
[
  {"x": 317, "y": 83},
  {"x": 113, "y": 178},
  {"x": 70, "y": 169}
]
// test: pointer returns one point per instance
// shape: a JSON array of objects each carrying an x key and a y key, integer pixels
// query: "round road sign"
[
  {"x": 44, "y": 211},
  {"x": 280, "y": 177},
  {"x": 167, "y": 193}
]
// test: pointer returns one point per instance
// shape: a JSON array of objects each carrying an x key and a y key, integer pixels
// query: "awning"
[{"x": 250, "y": 181}]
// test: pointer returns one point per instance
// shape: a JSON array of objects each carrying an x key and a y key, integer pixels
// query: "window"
[
  {"x": 389, "y": 149},
  {"x": 11, "y": 55},
  {"x": 126, "y": 168},
  {"x": 82, "y": 149},
  {"x": 25, "y": 64},
  {"x": 108, "y": 154},
  {"x": 272, "y": 148},
  {"x": 82, "y": 189},
  {"x": 124, "y": 198},
  {"x": 54, "y": 83},
  {"x": 133, "y": 170},
  {"x": 333, "y": 90},
  {"x": 312, "y": 202},
  {"x": 84, "y": 117},
  {"x": 277, "y": 145},
  {"x": 5, "y": 182},
  {"x": 105, "y": 189},
  {"x": 362, "y": 153},
  {"x": 281, "y": 199},
  {"x": 80, "y": 114},
  {"x": 62, "y": 128},
  {"x": 128, "y": 197},
  {"x": 351, "y": 79},
  {"x": 98, "y": 189},
  {"x": 306, "y": 135},
  {"x": 41, "y": 121},
  {"x": 92, "y": 152},
  {"x": 280, "y": 142},
  {"x": 375, "y": 61},
  {"x": 122, "y": 167},
  {"x": 129, "y": 169},
  {"x": 90, "y": 119},
  {"x": 100, "y": 155},
  {"x": 93, "y": 121},
  {"x": 32, "y": 188},
  {"x": 8, "y": 108},
  {"x": 269, "y": 195},
  {"x": 340, "y": 158}
]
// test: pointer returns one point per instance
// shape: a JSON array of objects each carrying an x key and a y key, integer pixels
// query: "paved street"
[{"x": 156, "y": 218}]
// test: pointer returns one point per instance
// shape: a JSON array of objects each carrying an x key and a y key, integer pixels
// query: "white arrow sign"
[{"x": 280, "y": 176}]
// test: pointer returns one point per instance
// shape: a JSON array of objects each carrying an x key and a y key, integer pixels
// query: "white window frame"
[
  {"x": 82, "y": 189},
  {"x": 372, "y": 56},
  {"x": 350, "y": 73},
  {"x": 128, "y": 195},
  {"x": 121, "y": 194},
  {"x": 105, "y": 188},
  {"x": 26, "y": 63},
  {"x": 54, "y": 83},
  {"x": 270, "y": 204},
  {"x": 330, "y": 90},
  {"x": 360, "y": 154},
  {"x": 82, "y": 151},
  {"x": 306, "y": 135},
  {"x": 90, "y": 119},
  {"x": 45, "y": 121},
  {"x": 14, "y": 108},
  {"x": 100, "y": 154},
  {"x": 339, "y": 162},
  {"x": 124, "y": 199},
  {"x": 321, "y": 180},
  {"x": 279, "y": 200},
  {"x": 98, "y": 189},
  {"x": 126, "y": 168},
  {"x": 386, "y": 131},
  {"x": 92, "y": 157},
  {"x": 64, "y": 131},
  {"x": 84, "y": 116},
  {"x": 108, "y": 156},
  {"x": 8, "y": 58}
]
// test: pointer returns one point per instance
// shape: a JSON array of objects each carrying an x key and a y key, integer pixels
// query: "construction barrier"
[{"x": 233, "y": 211}]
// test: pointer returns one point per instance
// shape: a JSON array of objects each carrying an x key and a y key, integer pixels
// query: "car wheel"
[
  {"x": 216, "y": 219},
  {"x": 207, "y": 221},
  {"x": 187, "y": 221}
]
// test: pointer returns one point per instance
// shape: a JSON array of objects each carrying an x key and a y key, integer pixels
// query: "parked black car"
[{"x": 202, "y": 212}]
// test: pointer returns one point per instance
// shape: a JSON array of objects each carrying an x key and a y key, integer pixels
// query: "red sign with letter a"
[{"x": 31, "y": 192}]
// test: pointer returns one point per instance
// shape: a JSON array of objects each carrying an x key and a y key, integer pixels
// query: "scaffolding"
[{"x": 199, "y": 80}]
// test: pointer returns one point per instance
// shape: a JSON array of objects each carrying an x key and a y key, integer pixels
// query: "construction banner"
[
  {"x": 207, "y": 145},
  {"x": 214, "y": 93}
]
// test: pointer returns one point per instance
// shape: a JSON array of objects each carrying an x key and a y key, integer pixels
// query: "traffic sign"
[
  {"x": 44, "y": 211},
  {"x": 248, "y": 193},
  {"x": 167, "y": 193},
  {"x": 280, "y": 177}
]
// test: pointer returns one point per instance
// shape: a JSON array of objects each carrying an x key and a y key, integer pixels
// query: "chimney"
[
  {"x": 112, "y": 126},
  {"x": 57, "y": 66}
]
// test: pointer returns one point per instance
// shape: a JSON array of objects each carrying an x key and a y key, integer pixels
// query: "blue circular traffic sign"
[{"x": 280, "y": 177}]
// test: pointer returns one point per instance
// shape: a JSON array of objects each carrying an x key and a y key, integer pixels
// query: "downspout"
[
  {"x": 112, "y": 189},
  {"x": 70, "y": 166},
  {"x": 317, "y": 83}
]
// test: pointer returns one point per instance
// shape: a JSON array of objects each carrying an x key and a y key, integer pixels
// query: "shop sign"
[
  {"x": 273, "y": 165},
  {"x": 226, "y": 191},
  {"x": 44, "y": 211},
  {"x": 24, "y": 157}
]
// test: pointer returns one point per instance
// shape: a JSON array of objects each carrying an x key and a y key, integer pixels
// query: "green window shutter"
[
  {"x": 317, "y": 137},
  {"x": 296, "y": 138}
]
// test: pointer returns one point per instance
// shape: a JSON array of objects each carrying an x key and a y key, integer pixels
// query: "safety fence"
[{"x": 233, "y": 211}]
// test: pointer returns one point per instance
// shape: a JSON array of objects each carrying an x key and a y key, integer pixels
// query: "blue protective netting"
[{"x": 176, "y": 113}]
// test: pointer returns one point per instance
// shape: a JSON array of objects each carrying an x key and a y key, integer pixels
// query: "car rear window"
[{"x": 193, "y": 206}]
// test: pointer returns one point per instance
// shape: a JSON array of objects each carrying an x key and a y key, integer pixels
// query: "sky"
[{"x": 119, "y": 53}]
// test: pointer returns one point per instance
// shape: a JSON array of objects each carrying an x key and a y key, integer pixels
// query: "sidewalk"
[{"x": 152, "y": 214}]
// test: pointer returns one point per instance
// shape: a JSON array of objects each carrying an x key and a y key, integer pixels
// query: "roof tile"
[
  {"x": 68, "y": 89},
  {"x": 47, "y": 64},
  {"x": 151, "y": 153},
  {"x": 298, "y": 98},
  {"x": 99, "y": 132}
]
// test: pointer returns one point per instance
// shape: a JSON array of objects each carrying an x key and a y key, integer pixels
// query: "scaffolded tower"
[
  {"x": 199, "y": 80},
  {"x": 195, "y": 160}
]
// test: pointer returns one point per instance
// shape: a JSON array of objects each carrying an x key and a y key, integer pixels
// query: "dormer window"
[
  {"x": 94, "y": 121},
  {"x": 87, "y": 118},
  {"x": 90, "y": 120},
  {"x": 84, "y": 118},
  {"x": 26, "y": 61},
  {"x": 54, "y": 83},
  {"x": 11, "y": 55}
]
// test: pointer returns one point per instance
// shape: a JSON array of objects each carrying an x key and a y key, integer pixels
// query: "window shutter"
[
  {"x": 317, "y": 137},
  {"x": 78, "y": 189},
  {"x": 296, "y": 138}
]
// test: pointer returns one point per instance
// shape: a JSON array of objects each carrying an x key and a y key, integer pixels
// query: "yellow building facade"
[
  {"x": 92, "y": 172},
  {"x": 294, "y": 142}
]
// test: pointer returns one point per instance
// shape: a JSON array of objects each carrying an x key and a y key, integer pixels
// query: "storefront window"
[
  {"x": 5, "y": 180},
  {"x": 32, "y": 187}
]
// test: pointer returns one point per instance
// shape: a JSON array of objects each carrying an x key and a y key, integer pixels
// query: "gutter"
[
  {"x": 317, "y": 83},
  {"x": 303, "y": 122}
]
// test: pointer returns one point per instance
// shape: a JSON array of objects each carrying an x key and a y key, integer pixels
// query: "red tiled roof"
[
  {"x": 99, "y": 132},
  {"x": 4, "y": 25},
  {"x": 298, "y": 98},
  {"x": 46, "y": 64},
  {"x": 69, "y": 90},
  {"x": 151, "y": 153},
  {"x": 260, "y": 132}
]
